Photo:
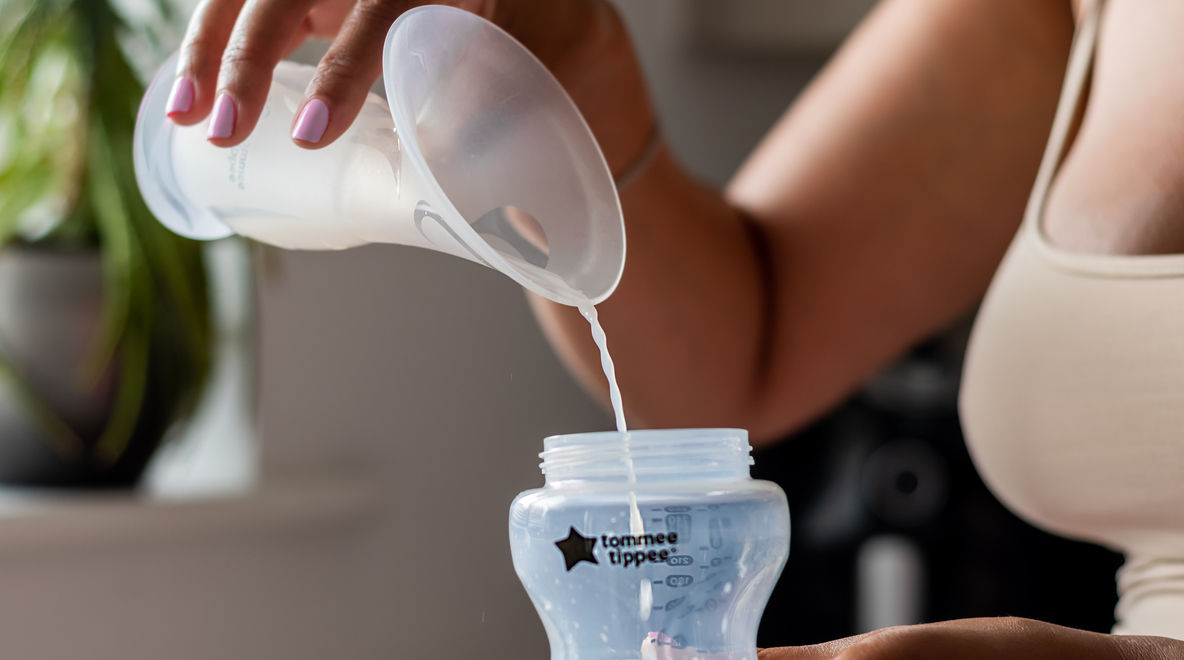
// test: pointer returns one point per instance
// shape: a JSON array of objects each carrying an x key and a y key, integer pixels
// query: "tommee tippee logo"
[{"x": 623, "y": 550}]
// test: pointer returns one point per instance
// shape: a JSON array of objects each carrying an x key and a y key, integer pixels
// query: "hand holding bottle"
[{"x": 231, "y": 48}]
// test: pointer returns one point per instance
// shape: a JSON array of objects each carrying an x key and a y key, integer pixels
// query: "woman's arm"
[
  {"x": 984, "y": 639},
  {"x": 872, "y": 215}
]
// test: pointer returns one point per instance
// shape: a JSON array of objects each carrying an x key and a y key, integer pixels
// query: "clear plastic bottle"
[{"x": 689, "y": 582}]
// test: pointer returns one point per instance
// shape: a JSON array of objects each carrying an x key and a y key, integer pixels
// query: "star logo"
[{"x": 577, "y": 548}]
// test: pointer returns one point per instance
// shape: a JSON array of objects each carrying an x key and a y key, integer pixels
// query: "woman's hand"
[
  {"x": 988, "y": 639},
  {"x": 232, "y": 46}
]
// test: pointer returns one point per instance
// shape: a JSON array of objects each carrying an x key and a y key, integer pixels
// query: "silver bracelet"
[{"x": 642, "y": 162}]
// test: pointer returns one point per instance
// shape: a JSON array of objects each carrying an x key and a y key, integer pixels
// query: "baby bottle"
[{"x": 650, "y": 545}]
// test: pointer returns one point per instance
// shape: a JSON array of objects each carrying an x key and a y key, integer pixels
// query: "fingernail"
[
  {"x": 222, "y": 123},
  {"x": 181, "y": 98},
  {"x": 310, "y": 125}
]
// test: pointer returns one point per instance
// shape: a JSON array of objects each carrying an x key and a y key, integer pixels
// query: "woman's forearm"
[
  {"x": 684, "y": 326},
  {"x": 685, "y": 318},
  {"x": 985, "y": 639}
]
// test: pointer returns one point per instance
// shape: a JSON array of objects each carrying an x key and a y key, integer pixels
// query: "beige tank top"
[{"x": 1073, "y": 392}]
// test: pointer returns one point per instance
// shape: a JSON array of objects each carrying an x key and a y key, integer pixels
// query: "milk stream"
[
  {"x": 636, "y": 525},
  {"x": 606, "y": 362}
]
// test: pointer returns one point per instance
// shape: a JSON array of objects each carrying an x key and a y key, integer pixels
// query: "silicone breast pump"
[{"x": 480, "y": 154}]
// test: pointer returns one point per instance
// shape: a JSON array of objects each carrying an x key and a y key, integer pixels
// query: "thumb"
[
  {"x": 825, "y": 651},
  {"x": 814, "y": 652}
]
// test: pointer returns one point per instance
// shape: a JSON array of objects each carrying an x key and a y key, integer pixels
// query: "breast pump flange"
[{"x": 479, "y": 154}]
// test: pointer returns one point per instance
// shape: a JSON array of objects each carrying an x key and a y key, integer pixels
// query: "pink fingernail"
[
  {"x": 310, "y": 125},
  {"x": 222, "y": 123},
  {"x": 181, "y": 98}
]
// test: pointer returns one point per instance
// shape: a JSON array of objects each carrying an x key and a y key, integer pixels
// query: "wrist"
[{"x": 601, "y": 73}]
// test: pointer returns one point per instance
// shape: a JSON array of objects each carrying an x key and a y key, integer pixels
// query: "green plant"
[{"x": 68, "y": 101}]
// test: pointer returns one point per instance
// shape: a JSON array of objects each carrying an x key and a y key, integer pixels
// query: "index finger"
[{"x": 198, "y": 62}]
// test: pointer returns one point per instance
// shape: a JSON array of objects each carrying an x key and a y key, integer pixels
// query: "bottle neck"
[{"x": 647, "y": 456}]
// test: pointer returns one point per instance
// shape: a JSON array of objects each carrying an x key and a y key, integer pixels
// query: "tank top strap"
[
  {"x": 1081, "y": 56},
  {"x": 1077, "y": 77}
]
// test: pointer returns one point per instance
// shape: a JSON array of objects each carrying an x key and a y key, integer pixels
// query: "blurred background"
[{"x": 365, "y": 418}]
